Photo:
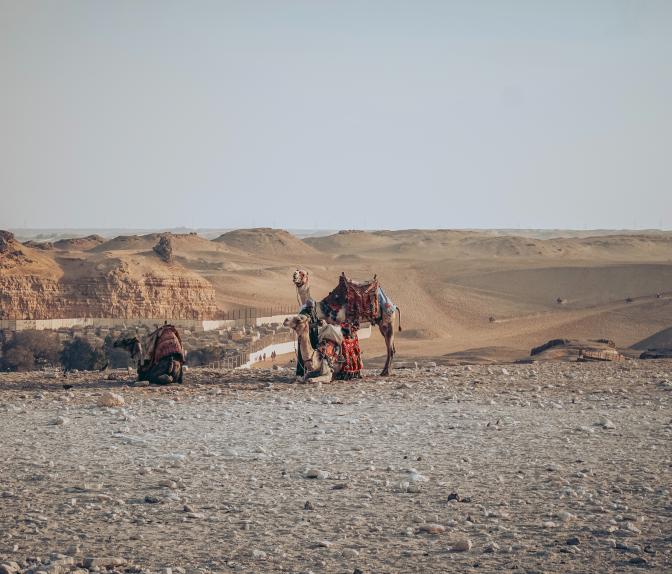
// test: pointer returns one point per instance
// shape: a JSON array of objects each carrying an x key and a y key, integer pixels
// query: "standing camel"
[{"x": 337, "y": 307}]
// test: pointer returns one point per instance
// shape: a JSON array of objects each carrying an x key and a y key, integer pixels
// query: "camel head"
[
  {"x": 297, "y": 323},
  {"x": 130, "y": 344},
  {"x": 300, "y": 278}
]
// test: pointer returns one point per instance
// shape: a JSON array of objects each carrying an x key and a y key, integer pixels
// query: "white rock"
[
  {"x": 460, "y": 545},
  {"x": 109, "y": 399},
  {"x": 431, "y": 528},
  {"x": 315, "y": 473},
  {"x": 350, "y": 553},
  {"x": 415, "y": 476}
]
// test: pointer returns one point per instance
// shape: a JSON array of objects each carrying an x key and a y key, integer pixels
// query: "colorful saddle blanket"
[
  {"x": 352, "y": 359},
  {"x": 361, "y": 300},
  {"x": 163, "y": 342}
]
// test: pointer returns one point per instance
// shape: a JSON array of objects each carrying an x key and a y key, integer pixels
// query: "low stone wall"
[
  {"x": 192, "y": 325},
  {"x": 290, "y": 347}
]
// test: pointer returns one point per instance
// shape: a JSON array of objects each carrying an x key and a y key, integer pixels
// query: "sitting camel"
[
  {"x": 337, "y": 308},
  {"x": 337, "y": 355},
  {"x": 163, "y": 361}
]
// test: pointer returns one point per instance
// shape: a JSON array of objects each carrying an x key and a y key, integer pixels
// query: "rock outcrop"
[
  {"x": 164, "y": 248},
  {"x": 36, "y": 284}
]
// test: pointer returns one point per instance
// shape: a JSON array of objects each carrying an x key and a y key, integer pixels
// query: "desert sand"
[
  {"x": 446, "y": 465},
  {"x": 555, "y": 467},
  {"x": 448, "y": 284}
]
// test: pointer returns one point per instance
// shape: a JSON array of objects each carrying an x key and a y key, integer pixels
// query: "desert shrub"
[
  {"x": 18, "y": 359},
  {"x": 79, "y": 354},
  {"x": 204, "y": 356},
  {"x": 28, "y": 349}
]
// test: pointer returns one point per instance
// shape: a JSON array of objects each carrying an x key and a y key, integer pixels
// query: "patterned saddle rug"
[
  {"x": 164, "y": 342},
  {"x": 360, "y": 300}
]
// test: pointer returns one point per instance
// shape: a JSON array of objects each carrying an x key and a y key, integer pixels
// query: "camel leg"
[{"x": 387, "y": 330}]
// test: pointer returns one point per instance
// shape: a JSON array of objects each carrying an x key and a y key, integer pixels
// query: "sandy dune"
[{"x": 448, "y": 283}]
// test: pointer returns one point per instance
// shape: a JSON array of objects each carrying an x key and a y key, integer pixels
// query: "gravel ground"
[{"x": 552, "y": 467}]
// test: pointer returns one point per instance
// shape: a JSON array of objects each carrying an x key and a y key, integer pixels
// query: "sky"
[{"x": 336, "y": 114}]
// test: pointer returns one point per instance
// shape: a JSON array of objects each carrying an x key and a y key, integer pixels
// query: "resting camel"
[
  {"x": 312, "y": 360},
  {"x": 385, "y": 320},
  {"x": 163, "y": 360}
]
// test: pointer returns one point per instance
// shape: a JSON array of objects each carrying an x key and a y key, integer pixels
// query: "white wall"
[{"x": 291, "y": 346}]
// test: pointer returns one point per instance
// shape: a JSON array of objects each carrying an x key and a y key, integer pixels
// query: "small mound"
[
  {"x": 136, "y": 242},
  {"x": 577, "y": 350},
  {"x": 79, "y": 243},
  {"x": 265, "y": 241},
  {"x": 43, "y": 245},
  {"x": 660, "y": 340}
]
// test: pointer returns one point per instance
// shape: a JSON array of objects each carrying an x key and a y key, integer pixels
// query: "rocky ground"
[{"x": 553, "y": 467}]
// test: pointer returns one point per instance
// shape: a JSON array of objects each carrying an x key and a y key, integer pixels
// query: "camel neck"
[
  {"x": 304, "y": 345},
  {"x": 304, "y": 293}
]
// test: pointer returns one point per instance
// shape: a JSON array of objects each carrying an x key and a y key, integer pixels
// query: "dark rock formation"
[{"x": 164, "y": 249}]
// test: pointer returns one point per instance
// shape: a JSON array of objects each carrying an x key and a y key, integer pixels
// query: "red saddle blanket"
[
  {"x": 359, "y": 299},
  {"x": 352, "y": 358},
  {"x": 165, "y": 341}
]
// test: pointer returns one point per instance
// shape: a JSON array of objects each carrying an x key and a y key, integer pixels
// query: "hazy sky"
[{"x": 336, "y": 114}]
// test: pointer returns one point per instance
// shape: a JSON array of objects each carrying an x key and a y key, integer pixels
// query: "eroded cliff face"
[{"x": 35, "y": 284}]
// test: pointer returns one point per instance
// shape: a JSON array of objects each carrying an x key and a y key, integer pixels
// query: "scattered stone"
[
  {"x": 349, "y": 553},
  {"x": 110, "y": 399},
  {"x": 103, "y": 562},
  {"x": 258, "y": 554},
  {"x": 59, "y": 421},
  {"x": 314, "y": 473},
  {"x": 308, "y": 505},
  {"x": 460, "y": 545},
  {"x": 432, "y": 528}
]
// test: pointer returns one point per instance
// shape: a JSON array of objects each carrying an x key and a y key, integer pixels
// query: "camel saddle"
[
  {"x": 163, "y": 342},
  {"x": 360, "y": 300}
]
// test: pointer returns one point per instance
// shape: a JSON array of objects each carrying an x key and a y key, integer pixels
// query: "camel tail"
[{"x": 399, "y": 311}]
